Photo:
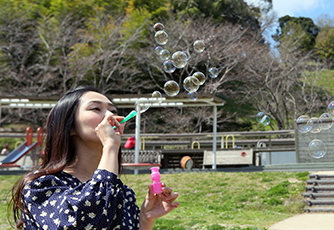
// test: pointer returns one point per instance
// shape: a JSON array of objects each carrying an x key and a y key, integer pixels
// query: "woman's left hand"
[{"x": 158, "y": 205}]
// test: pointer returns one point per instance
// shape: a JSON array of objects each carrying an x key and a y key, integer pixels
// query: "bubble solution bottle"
[{"x": 155, "y": 175}]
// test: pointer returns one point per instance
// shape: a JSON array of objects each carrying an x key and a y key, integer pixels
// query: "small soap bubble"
[
  {"x": 200, "y": 76},
  {"x": 171, "y": 88},
  {"x": 164, "y": 54},
  {"x": 192, "y": 96},
  {"x": 302, "y": 124},
  {"x": 191, "y": 84},
  {"x": 157, "y": 96},
  {"x": 326, "y": 121},
  {"x": 261, "y": 117},
  {"x": 144, "y": 104},
  {"x": 317, "y": 148},
  {"x": 161, "y": 37},
  {"x": 158, "y": 49},
  {"x": 158, "y": 26},
  {"x": 314, "y": 122},
  {"x": 330, "y": 108},
  {"x": 179, "y": 59},
  {"x": 168, "y": 66},
  {"x": 199, "y": 46},
  {"x": 213, "y": 72}
]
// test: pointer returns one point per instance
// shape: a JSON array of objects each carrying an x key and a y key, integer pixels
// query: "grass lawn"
[{"x": 214, "y": 201}]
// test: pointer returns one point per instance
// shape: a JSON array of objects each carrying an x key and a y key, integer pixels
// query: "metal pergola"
[{"x": 129, "y": 101}]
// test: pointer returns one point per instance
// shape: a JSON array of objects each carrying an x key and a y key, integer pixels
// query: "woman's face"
[{"x": 90, "y": 112}]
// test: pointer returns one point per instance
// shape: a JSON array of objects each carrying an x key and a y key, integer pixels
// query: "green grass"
[
  {"x": 326, "y": 81},
  {"x": 230, "y": 201}
]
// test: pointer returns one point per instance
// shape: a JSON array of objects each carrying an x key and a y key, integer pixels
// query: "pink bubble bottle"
[{"x": 155, "y": 175}]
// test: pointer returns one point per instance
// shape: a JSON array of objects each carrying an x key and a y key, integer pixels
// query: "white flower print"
[
  {"x": 57, "y": 221},
  {"x": 43, "y": 213},
  {"x": 87, "y": 203},
  {"x": 89, "y": 227},
  {"x": 45, "y": 227},
  {"x": 48, "y": 193},
  {"x": 71, "y": 219},
  {"x": 91, "y": 215}
]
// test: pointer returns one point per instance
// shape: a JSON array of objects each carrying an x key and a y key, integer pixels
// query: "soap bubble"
[
  {"x": 161, "y": 37},
  {"x": 144, "y": 104},
  {"x": 158, "y": 26},
  {"x": 330, "y": 108},
  {"x": 192, "y": 96},
  {"x": 158, "y": 49},
  {"x": 180, "y": 59},
  {"x": 187, "y": 54},
  {"x": 261, "y": 117},
  {"x": 317, "y": 148},
  {"x": 191, "y": 84},
  {"x": 156, "y": 94},
  {"x": 164, "y": 54},
  {"x": 200, "y": 76},
  {"x": 326, "y": 121},
  {"x": 302, "y": 124},
  {"x": 315, "y": 124},
  {"x": 168, "y": 66},
  {"x": 171, "y": 88},
  {"x": 213, "y": 72},
  {"x": 199, "y": 46}
]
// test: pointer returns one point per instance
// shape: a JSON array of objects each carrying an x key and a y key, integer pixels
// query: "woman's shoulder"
[{"x": 53, "y": 180}]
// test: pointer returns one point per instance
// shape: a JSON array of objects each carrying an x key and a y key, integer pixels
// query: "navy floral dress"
[{"x": 61, "y": 201}]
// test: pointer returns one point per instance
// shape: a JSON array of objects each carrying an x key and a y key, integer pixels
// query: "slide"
[
  {"x": 23, "y": 149},
  {"x": 17, "y": 153}
]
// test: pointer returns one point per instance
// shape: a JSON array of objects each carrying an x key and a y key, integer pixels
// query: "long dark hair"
[{"x": 58, "y": 152}]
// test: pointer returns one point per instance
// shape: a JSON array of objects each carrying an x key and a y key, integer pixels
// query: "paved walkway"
[{"x": 307, "y": 221}]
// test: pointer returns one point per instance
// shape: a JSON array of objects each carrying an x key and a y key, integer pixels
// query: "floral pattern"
[{"x": 61, "y": 201}]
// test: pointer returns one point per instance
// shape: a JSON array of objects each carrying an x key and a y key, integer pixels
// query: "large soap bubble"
[
  {"x": 317, "y": 148},
  {"x": 158, "y": 49},
  {"x": 171, "y": 88},
  {"x": 161, "y": 37},
  {"x": 180, "y": 59},
  {"x": 326, "y": 121},
  {"x": 144, "y": 104},
  {"x": 200, "y": 76},
  {"x": 168, "y": 66},
  {"x": 199, "y": 46},
  {"x": 303, "y": 126},
  {"x": 191, "y": 84}
]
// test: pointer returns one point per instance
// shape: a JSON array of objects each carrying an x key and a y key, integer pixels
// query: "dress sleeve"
[{"x": 100, "y": 203}]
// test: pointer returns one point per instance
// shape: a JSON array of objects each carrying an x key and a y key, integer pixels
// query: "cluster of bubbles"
[
  {"x": 305, "y": 124},
  {"x": 179, "y": 60},
  {"x": 262, "y": 118}
]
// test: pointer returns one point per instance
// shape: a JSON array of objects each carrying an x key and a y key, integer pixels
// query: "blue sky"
[{"x": 300, "y": 8}]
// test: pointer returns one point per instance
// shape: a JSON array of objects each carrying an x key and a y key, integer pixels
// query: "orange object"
[{"x": 40, "y": 136}]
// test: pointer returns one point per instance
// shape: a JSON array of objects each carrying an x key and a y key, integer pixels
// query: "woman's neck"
[{"x": 87, "y": 161}]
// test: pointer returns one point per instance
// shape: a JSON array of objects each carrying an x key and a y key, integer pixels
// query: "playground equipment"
[{"x": 11, "y": 159}]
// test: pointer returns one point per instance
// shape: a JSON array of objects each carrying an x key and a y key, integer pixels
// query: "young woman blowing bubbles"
[{"x": 76, "y": 186}]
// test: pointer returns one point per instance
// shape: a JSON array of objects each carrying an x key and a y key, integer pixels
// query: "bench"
[
  {"x": 229, "y": 157},
  {"x": 147, "y": 159}
]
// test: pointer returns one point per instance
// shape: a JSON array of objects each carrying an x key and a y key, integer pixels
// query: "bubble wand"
[{"x": 132, "y": 114}]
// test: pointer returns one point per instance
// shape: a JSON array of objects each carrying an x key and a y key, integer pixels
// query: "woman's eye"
[{"x": 96, "y": 108}]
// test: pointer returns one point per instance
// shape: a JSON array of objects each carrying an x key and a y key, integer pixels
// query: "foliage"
[
  {"x": 229, "y": 201},
  {"x": 325, "y": 43}
]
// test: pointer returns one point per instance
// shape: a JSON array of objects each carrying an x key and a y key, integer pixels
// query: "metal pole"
[
  {"x": 214, "y": 147},
  {"x": 137, "y": 136}
]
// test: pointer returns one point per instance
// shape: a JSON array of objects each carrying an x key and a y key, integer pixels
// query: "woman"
[{"x": 77, "y": 186}]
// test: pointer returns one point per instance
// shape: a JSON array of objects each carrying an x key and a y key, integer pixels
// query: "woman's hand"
[
  {"x": 105, "y": 130},
  {"x": 157, "y": 205}
]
